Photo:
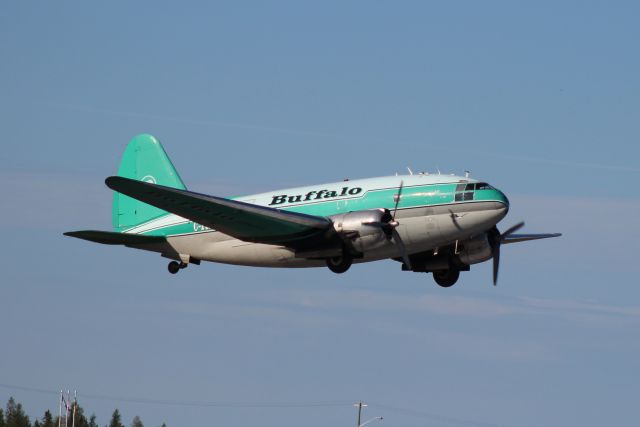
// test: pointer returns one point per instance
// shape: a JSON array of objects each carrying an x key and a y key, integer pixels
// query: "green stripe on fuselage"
[{"x": 412, "y": 197}]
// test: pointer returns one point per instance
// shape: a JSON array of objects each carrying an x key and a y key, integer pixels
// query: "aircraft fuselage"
[{"x": 433, "y": 211}]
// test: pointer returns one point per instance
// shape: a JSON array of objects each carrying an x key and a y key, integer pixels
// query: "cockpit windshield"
[
  {"x": 464, "y": 192},
  {"x": 483, "y": 186}
]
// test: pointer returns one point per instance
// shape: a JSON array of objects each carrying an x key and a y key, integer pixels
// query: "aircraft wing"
[
  {"x": 515, "y": 238},
  {"x": 244, "y": 221}
]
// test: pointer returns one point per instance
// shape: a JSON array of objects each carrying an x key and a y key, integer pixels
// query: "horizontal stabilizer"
[
  {"x": 516, "y": 238},
  {"x": 114, "y": 238}
]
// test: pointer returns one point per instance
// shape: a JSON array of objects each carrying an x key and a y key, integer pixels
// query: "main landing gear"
[
  {"x": 340, "y": 264},
  {"x": 175, "y": 266},
  {"x": 446, "y": 278}
]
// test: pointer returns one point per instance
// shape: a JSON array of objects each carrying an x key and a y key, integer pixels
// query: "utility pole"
[
  {"x": 66, "y": 417},
  {"x": 75, "y": 403},
  {"x": 60, "y": 410}
]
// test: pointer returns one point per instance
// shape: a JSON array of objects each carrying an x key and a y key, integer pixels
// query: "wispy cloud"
[
  {"x": 464, "y": 306},
  {"x": 281, "y": 314},
  {"x": 52, "y": 202},
  {"x": 546, "y": 305},
  {"x": 198, "y": 122},
  {"x": 326, "y": 305},
  {"x": 561, "y": 162}
]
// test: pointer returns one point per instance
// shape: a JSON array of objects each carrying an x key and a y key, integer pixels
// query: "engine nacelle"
[
  {"x": 363, "y": 229},
  {"x": 475, "y": 250}
]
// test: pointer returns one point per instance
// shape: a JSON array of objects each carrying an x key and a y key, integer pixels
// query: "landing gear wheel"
[
  {"x": 340, "y": 264},
  {"x": 175, "y": 266},
  {"x": 446, "y": 278}
]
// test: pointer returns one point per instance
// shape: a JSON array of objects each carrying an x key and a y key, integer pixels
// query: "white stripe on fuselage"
[
  {"x": 265, "y": 199},
  {"x": 160, "y": 222}
]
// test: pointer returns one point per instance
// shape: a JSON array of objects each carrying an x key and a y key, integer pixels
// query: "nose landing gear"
[{"x": 446, "y": 278}]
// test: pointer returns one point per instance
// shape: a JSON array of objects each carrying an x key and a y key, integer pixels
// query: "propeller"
[
  {"x": 495, "y": 240},
  {"x": 396, "y": 198},
  {"x": 394, "y": 224},
  {"x": 454, "y": 219},
  {"x": 389, "y": 225}
]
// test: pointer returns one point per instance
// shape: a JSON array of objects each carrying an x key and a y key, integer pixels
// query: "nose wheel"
[
  {"x": 175, "y": 266},
  {"x": 446, "y": 278}
]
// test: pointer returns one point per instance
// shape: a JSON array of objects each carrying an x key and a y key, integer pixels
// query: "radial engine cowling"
[
  {"x": 475, "y": 250},
  {"x": 365, "y": 230}
]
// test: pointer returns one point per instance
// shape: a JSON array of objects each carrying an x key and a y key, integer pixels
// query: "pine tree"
[
  {"x": 81, "y": 420},
  {"x": 2, "y": 418},
  {"x": 15, "y": 415},
  {"x": 137, "y": 422},
  {"x": 47, "y": 420},
  {"x": 164, "y": 425},
  {"x": 92, "y": 421},
  {"x": 116, "y": 420}
]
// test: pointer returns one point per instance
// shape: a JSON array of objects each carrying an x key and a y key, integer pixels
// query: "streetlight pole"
[{"x": 359, "y": 405}]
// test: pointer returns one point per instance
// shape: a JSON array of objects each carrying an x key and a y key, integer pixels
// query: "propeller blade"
[
  {"x": 403, "y": 249},
  {"x": 396, "y": 198},
  {"x": 454, "y": 219},
  {"x": 496, "y": 239},
  {"x": 511, "y": 230},
  {"x": 496, "y": 262}
]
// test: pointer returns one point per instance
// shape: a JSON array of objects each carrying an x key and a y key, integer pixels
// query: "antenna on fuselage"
[
  {"x": 410, "y": 171},
  {"x": 438, "y": 169},
  {"x": 466, "y": 174}
]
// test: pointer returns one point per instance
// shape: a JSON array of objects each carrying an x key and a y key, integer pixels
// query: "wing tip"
[{"x": 110, "y": 181}]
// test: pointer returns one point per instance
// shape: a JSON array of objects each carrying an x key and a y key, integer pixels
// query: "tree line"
[{"x": 15, "y": 416}]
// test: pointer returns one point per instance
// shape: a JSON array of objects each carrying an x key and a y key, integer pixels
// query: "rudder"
[{"x": 144, "y": 159}]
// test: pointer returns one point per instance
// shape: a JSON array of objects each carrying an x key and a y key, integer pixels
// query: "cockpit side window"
[{"x": 464, "y": 192}]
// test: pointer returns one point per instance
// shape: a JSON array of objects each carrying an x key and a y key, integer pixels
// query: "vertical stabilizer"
[{"x": 144, "y": 159}]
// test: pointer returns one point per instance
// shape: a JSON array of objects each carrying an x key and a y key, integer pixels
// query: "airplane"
[{"x": 432, "y": 223}]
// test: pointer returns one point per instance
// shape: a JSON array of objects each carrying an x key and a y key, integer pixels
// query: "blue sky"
[{"x": 540, "y": 99}]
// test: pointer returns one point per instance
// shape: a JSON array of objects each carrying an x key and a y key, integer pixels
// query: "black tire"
[
  {"x": 340, "y": 264},
  {"x": 173, "y": 267},
  {"x": 446, "y": 278}
]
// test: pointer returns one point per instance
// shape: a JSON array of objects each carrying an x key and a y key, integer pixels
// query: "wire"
[
  {"x": 186, "y": 402},
  {"x": 433, "y": 416}
]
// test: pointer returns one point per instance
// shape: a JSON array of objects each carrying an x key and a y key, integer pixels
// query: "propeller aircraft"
[{"x": 432, "y": 223}]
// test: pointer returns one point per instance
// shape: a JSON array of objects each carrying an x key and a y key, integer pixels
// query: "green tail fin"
[{"x": 144, "y": 159}]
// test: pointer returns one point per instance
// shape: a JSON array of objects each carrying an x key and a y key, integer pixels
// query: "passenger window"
[
  {"x": 468, "y": 196},
  {"x": 469, "y": 187},
  {"x": 460, "y": 187}
]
